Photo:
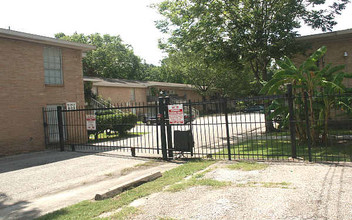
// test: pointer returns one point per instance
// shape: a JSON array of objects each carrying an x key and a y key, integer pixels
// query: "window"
[
  {"x": 133, "y": 95},
  {"x": 52, "y": 66}
]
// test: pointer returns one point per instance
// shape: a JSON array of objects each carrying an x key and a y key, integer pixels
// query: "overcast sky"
[{"x": 133, "y": 20}]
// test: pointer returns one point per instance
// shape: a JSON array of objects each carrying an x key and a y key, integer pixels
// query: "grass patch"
[
  {"x": 124, "y": 213},
  {"x": 283, "y": 185},
  {"x": 91, "y": 209},
  {"x": 197, "y": 182},
  {"x": 202, "y": 174},
  {"x": 139, "y": 166},
  {"x": 166, "y": 218},
  {"x": 261, "y": 148},
  {"x": 248, "y": 166}
]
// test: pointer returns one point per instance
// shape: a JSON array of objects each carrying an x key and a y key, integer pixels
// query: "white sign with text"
[
  {"x": 176, "y": 114},
  {"x": 91, "y": 122}
]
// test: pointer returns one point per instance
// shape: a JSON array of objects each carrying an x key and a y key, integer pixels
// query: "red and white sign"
[
  {"x": 176, "y": 114},
  {"x": 91, "y": 122}
]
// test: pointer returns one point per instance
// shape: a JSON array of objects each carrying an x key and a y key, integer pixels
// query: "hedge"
[{"x": 111, "y": 120}]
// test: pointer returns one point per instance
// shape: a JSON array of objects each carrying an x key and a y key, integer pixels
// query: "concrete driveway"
[{"x": 36, "y": 183}]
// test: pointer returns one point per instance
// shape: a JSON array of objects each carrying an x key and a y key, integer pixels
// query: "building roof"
[
  {"x": 16, "y": 35},
  {"x": 333, "y": 35},
  {"x": 133, "y": 83}
]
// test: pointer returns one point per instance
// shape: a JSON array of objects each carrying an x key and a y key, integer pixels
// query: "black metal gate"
[{"x": 245, "y": 128}]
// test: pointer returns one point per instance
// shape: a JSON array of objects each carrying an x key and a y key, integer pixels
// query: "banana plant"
[{"x": 321, "y": 85}]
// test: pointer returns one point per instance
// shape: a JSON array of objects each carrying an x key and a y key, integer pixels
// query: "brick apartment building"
[
  {"x": 134, "y": 91},
  {"x": 35, "y": 72},
  {"x": 339, "y": 49}
]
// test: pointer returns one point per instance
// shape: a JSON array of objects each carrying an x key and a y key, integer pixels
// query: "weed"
[
  {"x": 125, "y": 212},
  {"x": 283, "y": 185},
  {"x": 197, "y": 182},
  {"x": 248, "y": 166}
]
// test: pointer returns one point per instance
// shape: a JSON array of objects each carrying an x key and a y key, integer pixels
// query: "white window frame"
[{"x": 52, "y": 57}]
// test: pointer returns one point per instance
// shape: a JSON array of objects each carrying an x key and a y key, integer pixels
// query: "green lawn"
[
  {"x": 92, "y": 209},
  {"x": 271, "y": 148}
]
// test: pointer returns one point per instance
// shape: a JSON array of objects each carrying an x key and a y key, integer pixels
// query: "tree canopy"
[
  {"x": 251, "y": 32},
  {"x": 111, "y": 59}
]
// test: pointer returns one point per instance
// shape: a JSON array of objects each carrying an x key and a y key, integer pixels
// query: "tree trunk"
[{"x": 204, "y": 99}]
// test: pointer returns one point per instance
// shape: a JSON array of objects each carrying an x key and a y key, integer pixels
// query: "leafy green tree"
[
  {"x": 111, "y": 59},
  {"x": 253, "y": 31},
  {"x": 321, "y": 85},
  {"x": 209, "y": 78}
]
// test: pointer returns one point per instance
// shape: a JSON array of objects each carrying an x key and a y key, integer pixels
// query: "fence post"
[
  {"x": 292, "y": 120},
  {"x": 61, "y": 127},
  {"x": 227, "y": 128},
  {"x": 157, "y": 128},
  {"x": 45, "y": 124},
  {"x": 168, "y": 128},
  {"x": 190, "y": 120},
  {"x": 308, "y": 127},
  {"x": 162, "y": 127}
]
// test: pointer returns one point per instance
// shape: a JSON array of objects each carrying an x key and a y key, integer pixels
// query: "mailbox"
[{"x": 183, "y": 141}]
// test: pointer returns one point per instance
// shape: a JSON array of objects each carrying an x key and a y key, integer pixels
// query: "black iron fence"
[{"x": 281, "y": 127}]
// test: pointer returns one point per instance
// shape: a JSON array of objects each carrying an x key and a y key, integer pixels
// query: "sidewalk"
[{"x": 37, "y": 183}]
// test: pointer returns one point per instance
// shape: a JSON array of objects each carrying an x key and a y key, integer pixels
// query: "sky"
[{"x": 133, "y": 20}]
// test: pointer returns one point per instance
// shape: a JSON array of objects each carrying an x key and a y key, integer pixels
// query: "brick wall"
[
  {"x": 190, "y": 94},
  {"x": 23, "y": 93},
  {"x": 122, "y": 95},
  {"x": 336, "y": 46}
]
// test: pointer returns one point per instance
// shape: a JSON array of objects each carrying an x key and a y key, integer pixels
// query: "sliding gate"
[{"x": 244, "y": 128}]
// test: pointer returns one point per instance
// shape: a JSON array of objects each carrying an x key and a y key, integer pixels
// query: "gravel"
[{"x": 311, "y": 191}]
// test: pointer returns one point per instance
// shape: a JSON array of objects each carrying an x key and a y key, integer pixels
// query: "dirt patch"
[{"x": 281, "y": 191}]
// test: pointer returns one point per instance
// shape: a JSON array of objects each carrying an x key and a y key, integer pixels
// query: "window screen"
[{"x": 52, "y": 66}]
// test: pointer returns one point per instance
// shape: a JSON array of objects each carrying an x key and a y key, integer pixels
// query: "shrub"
[{"x": 112, "y": 120}]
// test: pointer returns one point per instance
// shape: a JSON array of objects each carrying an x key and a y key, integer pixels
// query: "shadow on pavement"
[
  {"x": 27, "y": 160},
  {"x": 15, "y": 210}
]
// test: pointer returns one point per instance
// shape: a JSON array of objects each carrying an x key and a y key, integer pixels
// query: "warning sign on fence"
[
  {"x": 91, "y": 122},
  {"x": 176, "y": 114}
]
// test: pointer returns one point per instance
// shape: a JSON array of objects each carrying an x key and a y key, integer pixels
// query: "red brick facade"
[
  {"x": 339, "y": 49},
  {"x": 23, "y": 93}
]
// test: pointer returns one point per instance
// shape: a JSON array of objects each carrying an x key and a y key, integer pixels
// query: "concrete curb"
[{"x": 134, "y": 183}]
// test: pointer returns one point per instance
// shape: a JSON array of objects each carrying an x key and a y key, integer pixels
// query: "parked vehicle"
[
  {"x": 149, "y": 120},
  {"x": 254, "y": 108}
]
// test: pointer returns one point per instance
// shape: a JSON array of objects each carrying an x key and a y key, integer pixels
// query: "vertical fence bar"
[
  {"x": 61, "y": 129},
  {"x": 227, "y": 129},
  {"x": 156, "y": 126},
  {"x": 162, "y": 127},
  {"x": 292, "y": 121},
  {"x": 308, "y": 127},
  {"x": 168, "y": 127},
  {"x": 190, "y": 122},
  {"x": 45, "y": 124}
]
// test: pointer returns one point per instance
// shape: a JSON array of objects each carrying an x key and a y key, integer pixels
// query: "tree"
[
  {"x": 253, "y": 31},
  {"x": 111, "y": 59},
  {"x": 321, "y": 85},
  {"x": 208, "y": 77}
]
